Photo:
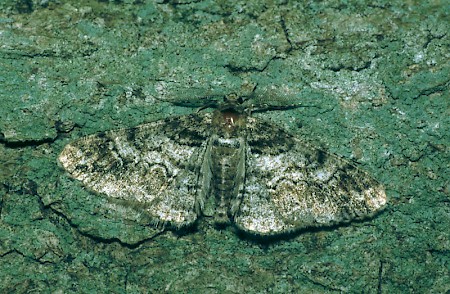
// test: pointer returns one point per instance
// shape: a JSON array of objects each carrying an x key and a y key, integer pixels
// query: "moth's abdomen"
[{"x": 226, "y": 156}]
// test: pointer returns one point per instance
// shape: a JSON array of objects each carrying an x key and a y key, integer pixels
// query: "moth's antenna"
[
  {"x": 267, "y": 107},
  {"x": 212, "y": 104}
]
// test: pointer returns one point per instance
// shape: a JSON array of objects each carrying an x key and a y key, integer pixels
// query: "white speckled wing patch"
[{"x": 227, "y": 165}]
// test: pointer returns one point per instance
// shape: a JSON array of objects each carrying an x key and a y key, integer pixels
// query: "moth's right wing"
[{"x": 291, "y": 185}]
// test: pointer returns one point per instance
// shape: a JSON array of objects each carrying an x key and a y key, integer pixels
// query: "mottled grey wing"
[
  {"x": 154, "y": 165},
  {"x": 290, "y": 185}
]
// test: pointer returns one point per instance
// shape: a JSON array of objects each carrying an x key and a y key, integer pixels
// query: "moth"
[{"x": 227, "y": 165}]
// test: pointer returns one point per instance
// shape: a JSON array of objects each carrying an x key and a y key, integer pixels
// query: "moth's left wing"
[
  {"x": 155, "y": 165},
  {"x": 290, "y": 185}
]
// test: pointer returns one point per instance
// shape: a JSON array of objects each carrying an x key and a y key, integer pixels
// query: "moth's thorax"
[{"x": 229, "y": 123}]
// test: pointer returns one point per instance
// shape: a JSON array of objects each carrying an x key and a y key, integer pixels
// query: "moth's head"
[{"x": 233, "y": 103}]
